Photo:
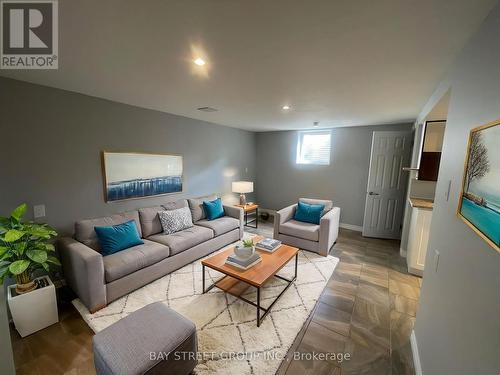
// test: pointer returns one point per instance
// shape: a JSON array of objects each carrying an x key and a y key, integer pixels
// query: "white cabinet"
[{"x": 418, "y": 239}]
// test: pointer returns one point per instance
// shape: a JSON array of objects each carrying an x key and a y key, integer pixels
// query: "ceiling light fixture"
[
  {"x": 199, "y": 61},
  {"x": 285, "y": 107}
]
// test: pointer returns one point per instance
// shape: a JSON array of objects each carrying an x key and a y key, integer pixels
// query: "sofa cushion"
[
  {"x": 196, "y": 207},
  {"x": 221, "y": 225},
  {"x": 183, "y": 240},
  {"x": 327, "y": 203},
  {"x": 308, "y": 213},
  {"x": 299, "y": 229},
  {"x": 150, "y": 222},
  {"x": 85, "y": 233},
  {"x": 213, "y": 209},
  {"x": 133, "y": 259},
  {"x": 115, "y": 238},
  {"x": 173, "y": 221}
]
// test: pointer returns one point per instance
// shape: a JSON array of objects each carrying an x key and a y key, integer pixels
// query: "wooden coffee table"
[{"x": 236, "y": 281}]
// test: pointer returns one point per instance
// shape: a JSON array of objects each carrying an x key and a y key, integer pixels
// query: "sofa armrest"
[
  {"x": 237, "y": 213},
  {"x": 329, "y": 230},
  {"x": 282, "y": 216},
  {"x": 83, "y": 269}
]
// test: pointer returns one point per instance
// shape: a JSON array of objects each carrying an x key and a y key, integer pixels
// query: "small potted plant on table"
[
  {"x": 25, "y": 248},
  {"x": 246, "y": 250}
]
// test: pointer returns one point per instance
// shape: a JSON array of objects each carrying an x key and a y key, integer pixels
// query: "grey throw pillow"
[
  {"x": 175, "y": 220},
  {"x": 196, "y": 206}
]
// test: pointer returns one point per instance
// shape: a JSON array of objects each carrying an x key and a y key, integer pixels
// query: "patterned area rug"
[{"x": 227, "y": 331}]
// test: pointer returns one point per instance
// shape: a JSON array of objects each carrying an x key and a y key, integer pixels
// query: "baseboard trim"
[
  {"x": 416, "y": 356},
  {"x": 357, "y": 228},
  {"x": 416, "y": 271}
]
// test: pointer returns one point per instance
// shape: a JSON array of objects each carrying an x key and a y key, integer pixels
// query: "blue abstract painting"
[
  {"x": 135, "y": 175},
  {"x": 479, "y": 203}
]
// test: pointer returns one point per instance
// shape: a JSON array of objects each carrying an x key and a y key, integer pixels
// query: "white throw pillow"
[{"x": 175, "y": 220}]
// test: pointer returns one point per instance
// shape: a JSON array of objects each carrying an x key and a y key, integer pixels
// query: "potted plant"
[
  {"x": 246, "y": 250},
  {"x": 25, "y": 248}
]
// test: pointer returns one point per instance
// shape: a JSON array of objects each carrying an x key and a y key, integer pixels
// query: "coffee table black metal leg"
[
  {"x": 203, "y": 277},
  {"x": 296, "y": 264},
  {"x": 258, "y": 307}
]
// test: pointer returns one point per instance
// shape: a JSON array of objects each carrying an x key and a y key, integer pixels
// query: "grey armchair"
[{"x": 318, "y": 238}]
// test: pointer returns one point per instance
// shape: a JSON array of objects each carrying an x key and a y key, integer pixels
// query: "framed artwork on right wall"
[{"x": 479, "y": 203}]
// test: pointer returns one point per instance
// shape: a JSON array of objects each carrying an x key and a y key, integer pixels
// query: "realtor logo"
[{"x": 29, "y": 34}]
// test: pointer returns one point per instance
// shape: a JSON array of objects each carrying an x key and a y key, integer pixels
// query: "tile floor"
[{"x": 367, "y": 310}]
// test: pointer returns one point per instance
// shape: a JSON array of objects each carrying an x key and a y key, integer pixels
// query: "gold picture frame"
[
  {"x": 137, "y": 175},
  {"x": 479, "y": 201}
]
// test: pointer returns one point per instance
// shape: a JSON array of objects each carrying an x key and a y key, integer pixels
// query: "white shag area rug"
[{"x": 228, "y": 336}]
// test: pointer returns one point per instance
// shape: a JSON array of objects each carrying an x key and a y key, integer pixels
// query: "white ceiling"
[{"x": 342, "y": 63}]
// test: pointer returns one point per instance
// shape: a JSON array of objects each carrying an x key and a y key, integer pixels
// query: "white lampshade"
[{"x": 242, "y": 187}]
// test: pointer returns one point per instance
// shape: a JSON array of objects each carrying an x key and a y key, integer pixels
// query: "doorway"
[{"x": 385, "y": 193}]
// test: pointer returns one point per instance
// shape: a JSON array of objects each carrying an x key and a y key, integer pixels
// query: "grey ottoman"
[{"x": 152, "y": 340}]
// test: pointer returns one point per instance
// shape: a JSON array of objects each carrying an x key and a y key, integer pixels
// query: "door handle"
[{"x": 373, "y": 193}]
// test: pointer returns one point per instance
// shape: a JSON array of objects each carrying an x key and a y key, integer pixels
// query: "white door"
[{"x": 385, "y": 193}]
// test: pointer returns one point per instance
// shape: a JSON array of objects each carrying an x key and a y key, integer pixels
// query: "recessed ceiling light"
[
  {"x": 199, "y": 61},
  {"x": 286, "y": 107}
]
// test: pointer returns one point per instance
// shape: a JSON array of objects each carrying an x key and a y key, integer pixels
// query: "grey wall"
[
  {"x": 457, "y": 326},
  {"x": 51, "y": 142},
  {"x": 280, "y": 181}
]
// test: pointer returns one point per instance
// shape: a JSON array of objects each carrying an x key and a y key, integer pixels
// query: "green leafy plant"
[
  {"x": 24, "y": 247},
  {"x": 248, "y": 243}
]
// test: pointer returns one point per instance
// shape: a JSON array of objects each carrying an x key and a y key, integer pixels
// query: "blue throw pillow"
[
  {"x": 309, "y": 213},
  {"x": 213, "y": 209},
  {"x": 118, "y": 237}
]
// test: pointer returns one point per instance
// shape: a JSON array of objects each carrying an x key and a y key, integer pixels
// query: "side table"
[{"x": 252, "y": 209}]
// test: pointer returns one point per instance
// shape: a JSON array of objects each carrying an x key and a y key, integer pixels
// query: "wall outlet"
[
  {"x": 436, "y": 260},
  {"x": 39, "y": 211}
]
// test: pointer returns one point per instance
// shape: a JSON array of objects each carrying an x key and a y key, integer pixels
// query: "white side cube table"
[{"x": 35, "y": 310}]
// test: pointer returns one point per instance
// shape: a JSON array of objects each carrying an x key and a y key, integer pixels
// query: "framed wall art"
[
  {"x": 479, "y": 203},
  {"x": 129, "y": 175}
]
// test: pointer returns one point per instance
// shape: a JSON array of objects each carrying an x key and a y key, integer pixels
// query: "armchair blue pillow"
[
  {"x": 118, "y": 237},
  {"x": 308, "y": 213},
  {"x": 213, "y": 209}
]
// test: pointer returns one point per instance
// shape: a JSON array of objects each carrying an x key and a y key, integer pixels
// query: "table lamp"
[{"x": 242, "y": 187}]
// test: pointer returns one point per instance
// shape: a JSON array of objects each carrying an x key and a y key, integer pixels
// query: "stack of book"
[
  {"x": 243, "y": 263},
  {"x": 268, "y": 244}
]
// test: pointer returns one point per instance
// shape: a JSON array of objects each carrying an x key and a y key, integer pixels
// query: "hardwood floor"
[{"x": 367, "y": 310}]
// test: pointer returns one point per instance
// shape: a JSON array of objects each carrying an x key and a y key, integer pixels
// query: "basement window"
[{"x": 313, "y": 147}]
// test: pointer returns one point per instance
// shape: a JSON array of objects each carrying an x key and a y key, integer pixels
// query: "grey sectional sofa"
[{"x": 99, "y": 280}]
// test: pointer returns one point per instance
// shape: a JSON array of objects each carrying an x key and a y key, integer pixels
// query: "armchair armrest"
[
  {"x": 237, "y": 213},
  {"x": 282, "y": 216},
  {"x": 329, "y": 230},
  {"x": 83, "y": 269}
]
